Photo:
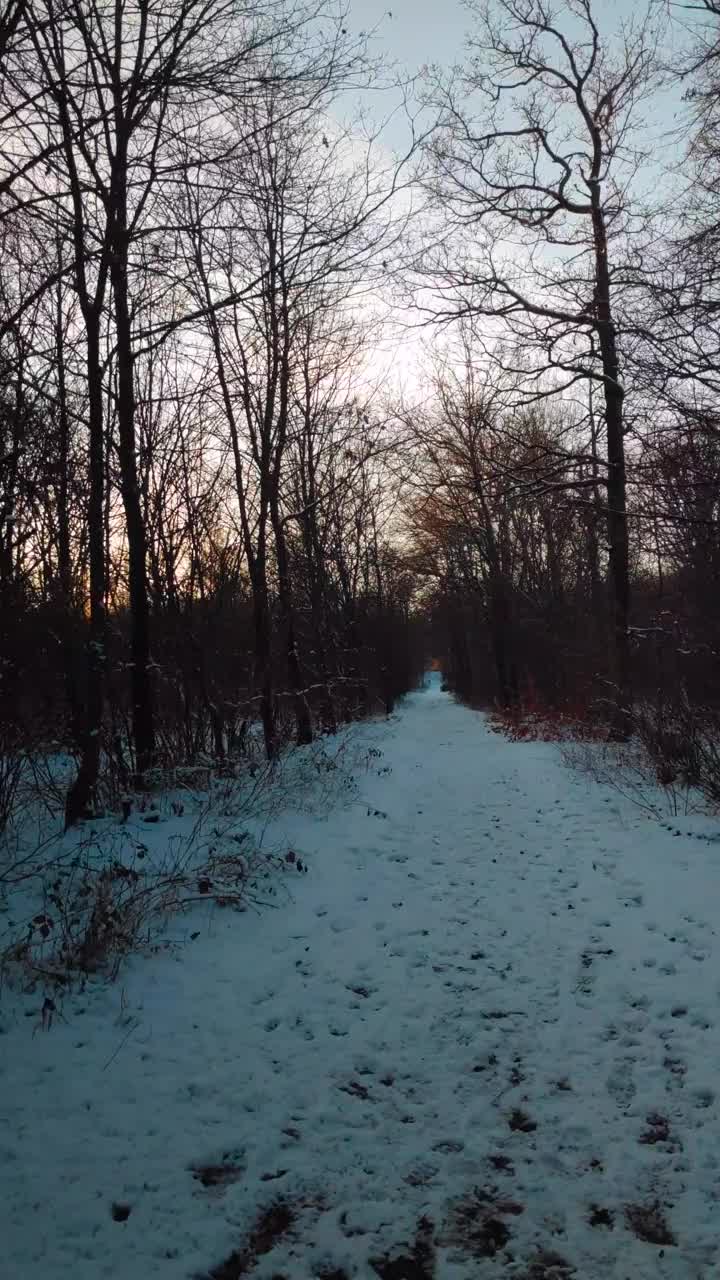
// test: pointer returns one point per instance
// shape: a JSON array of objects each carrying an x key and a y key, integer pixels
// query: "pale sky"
[
  {"x": 423, "y": 31},
  {"x": 420, "y": 32},
  {"x": 415, "y": 33}
]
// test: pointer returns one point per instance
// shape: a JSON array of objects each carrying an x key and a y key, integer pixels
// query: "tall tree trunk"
[
  {"x": 80, "y": 795},
  {"x": 141, "y": 688},
  {"x": 63, "y": 529},
  {"x": 616, "y": 488},
  {"x": 593, "y": 521}
]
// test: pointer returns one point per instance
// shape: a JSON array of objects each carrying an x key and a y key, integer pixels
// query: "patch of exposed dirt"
[
  {"x": 356, "y": 1090},
  {"x": 599, "y": 1217},
  {"x": 521, "y": 1122},
  {"x": 349, "y": 1231},
  {"x": 548, "y": 1265},
  {"x": 658, "y": 1130},
  {"x": 417, "y": 1265},
  {"x": 648, "y": 1223},
  {"x": 421, "y": 1176},
  {"x": 475, "y": 1223},
  {"x": 218, "y": 1175},
  {"x": 271, "y": 1225}
]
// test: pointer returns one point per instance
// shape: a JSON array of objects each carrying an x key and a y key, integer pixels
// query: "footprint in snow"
[
  {"x": 677, "y": 1070},
  {"x": 620, "y": 1083}
]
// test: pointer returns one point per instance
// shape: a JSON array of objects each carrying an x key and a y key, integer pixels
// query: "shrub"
[{"x": 533, "y": 720}]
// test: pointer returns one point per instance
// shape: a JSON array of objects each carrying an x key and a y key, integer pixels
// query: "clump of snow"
[{"x": 483, "y": 937}]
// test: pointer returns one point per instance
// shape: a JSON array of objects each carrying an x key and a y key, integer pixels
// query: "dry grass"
[{"x": 106, "y": 896}]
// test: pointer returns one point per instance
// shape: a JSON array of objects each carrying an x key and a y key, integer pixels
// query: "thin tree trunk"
[
  {"x": 500, "y": 638},
  {"x": 263, "y": 668},
  {"x": 303, "y": 718}
]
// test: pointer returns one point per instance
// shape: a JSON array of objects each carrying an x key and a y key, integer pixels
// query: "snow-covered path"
[{"x": 482, "y": 1040}]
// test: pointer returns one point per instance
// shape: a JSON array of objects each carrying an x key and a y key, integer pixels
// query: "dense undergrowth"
[{"x": 668, "y": 762}]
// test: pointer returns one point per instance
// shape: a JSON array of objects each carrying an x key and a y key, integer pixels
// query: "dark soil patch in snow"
[
  {"x": 548, "y": 1265},
  {"x": 601, "y": 1217},
  {"x": 521, "y": 1122},
  {"x": 356, "y": 1090},
  {"x": 498, "y": 1015},
  {"x": 418, "y": 1265},
  {"x": 271, "y": 1225},
  {"x": 349, "y": 1231},
  {"x": 658, "y": 1130},
  {"x": 503, "y": 1164},
  {"x": 649, "y": 1224},
  {"x": 331, "y": 1273},
  {"x": 217, "y": 1175},
  {"x": 475, "y": 1223},
  {"x": 421, "y": 1176}
]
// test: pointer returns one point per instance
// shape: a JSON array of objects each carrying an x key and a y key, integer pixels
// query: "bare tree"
[
  {"x": 497, "y": 514},
  {"x": 116, "y": 87},
  {"x": 292, "y": 229},
  {"x": 530, "y": 165}
]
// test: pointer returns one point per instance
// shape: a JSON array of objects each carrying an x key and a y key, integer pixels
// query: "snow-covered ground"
[{"x": 481, "y": 1039}]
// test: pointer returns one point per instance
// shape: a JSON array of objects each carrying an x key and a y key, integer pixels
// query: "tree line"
[
  {"x": 216, "y": 529},
  {"x": 193, "y": 530},
  {"x": 565, "y": 509}
]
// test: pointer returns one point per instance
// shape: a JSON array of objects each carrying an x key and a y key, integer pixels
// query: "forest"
[
  {"x": 359, "y": 639},
  {"x": 288, "y": 410}
]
